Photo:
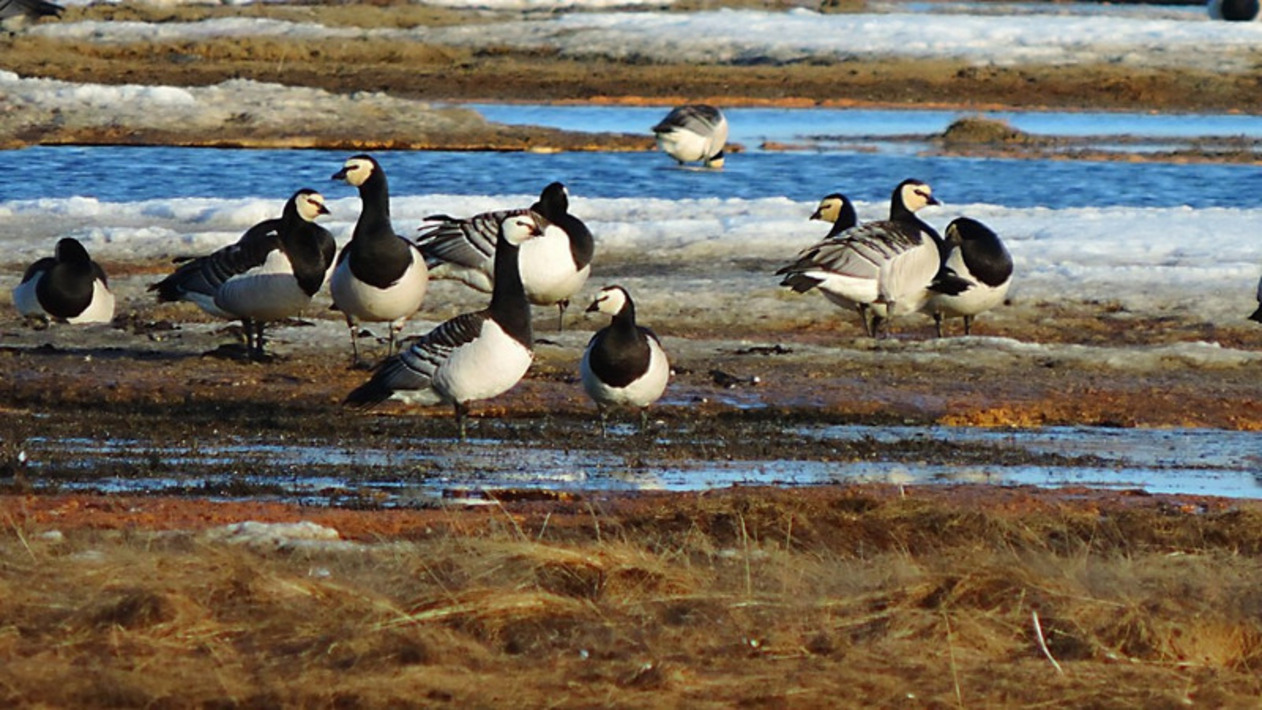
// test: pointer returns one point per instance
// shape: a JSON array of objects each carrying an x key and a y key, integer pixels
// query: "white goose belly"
[
  {"x": 904, "y": 280},
  {"x": 266, "y": 292},
  {"x": 685, "y": 146},
  {"x": 548, "y": 272},
  {"x": 364, "y": 302},
  {"x": 846, "y": 291},
  {"x": 486, "y": 367},
  {"x": 977, "y": 299},
  {"x": 101, "y": 307}
]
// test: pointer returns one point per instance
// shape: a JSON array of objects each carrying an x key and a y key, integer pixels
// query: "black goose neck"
[{"x": 509, "y": 307}]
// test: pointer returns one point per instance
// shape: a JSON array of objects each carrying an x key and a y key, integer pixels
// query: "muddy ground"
[{"x": 831, "y": 596}]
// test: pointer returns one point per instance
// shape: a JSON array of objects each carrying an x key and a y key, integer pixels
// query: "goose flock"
[{"x": 540, "y": 255}]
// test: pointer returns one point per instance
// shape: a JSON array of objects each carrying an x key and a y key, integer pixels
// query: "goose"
[
  {"x": 554, "y": 267},
  {"x": 68, "y": 287},
  {"x": 16, "y": 14},
  {"x": 1233, "y": 10},
  {"x": 976, "y": 254},
  {"x": 693, "y": 132},
  {"x": 269, "y": 274},
  {"x": 624, "y": 364},
  {"x": 838, "y": 210},
  {"x": 380, "y": 276},
  {"x": 1257, "y": 315},
  {"x": 894, "y": 264},
  {"x": 472, "y": 356}
]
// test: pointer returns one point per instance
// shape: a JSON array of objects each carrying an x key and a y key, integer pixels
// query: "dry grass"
[{"x": 763, "y": 599}]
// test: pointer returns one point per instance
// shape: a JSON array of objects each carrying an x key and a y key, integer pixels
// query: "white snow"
[{"x": 1081, "y": 34}]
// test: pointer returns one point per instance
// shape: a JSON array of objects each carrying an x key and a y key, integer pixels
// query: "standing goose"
[
  {"x": 16, "y": 14},
  {"x": 380, "y": 276},
  {"x": 1234, "y": 10},
  {"x": 894, "y": 264},
  {"x": 472, "y": 356},
  {"x": 624, "y": 364},
  {"x": 1257, "y": 315},
  {"x": 977, "y": 255},
  {"x": 838, "y": 210},
  {"x": 554, "y": 267},
  {"x": 269, "y": 274},
  {"x": 67, "y": 287},
  {"x": 694, "y": 132}
]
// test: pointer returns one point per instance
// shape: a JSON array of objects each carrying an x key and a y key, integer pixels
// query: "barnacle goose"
[
  {"x": 1257, "y": 315},
  {"x": 1233, "y": 10},
  {"x": 380, "y": 276},
  {"x": 554, "y": 267},
  {"x": 694, "y": 132},
  {"x": 838, "y": 210},
  {"x": 893, "y": 264},
  {"x": 15, "y": 14},
  {"x": 976, "y": 254},
  {"x": 269, "y": 274},
  {"x": 472, "y": 356},
  {"x": 68, "y": 287},
  {"x": 624, "y": 364}
]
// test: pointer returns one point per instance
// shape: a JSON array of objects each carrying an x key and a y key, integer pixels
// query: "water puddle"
[{"x": 427, "y": 472}]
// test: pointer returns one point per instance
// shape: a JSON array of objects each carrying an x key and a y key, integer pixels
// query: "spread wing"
[{"x": 469, "y": 243}]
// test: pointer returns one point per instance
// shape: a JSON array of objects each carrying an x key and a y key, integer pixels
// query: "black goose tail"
[
  {"x": 370, "y": 394},
  {"x": 800, "y": 283},
  {"x": 948, "y": 283},
  {"x": 1257, "y": 315}
]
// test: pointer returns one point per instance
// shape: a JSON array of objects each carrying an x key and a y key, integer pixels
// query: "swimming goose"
[
  {"x": 269, "y": 274},
  {"x": 15, "y": 14},
  {"x": 895, "y": 263},
  {"x": 976, "y": 254},
  {"x": 68, "y": 287},
  {"x": 694, "y": 132},
  {"x": 624, "y": 364},
  {"x": 380, "y": 276},
  {"x": 472, "y": 356},
  {"x": 554, "y": 267}
]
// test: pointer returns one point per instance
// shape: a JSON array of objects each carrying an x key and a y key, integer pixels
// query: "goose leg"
[
  {"x": 880, "y": 326},
  {"x": 604, "y": 417},
  {"x": 968, "y": 325},
  {"x": 356, "y": 363},
  {"x": 257, "y": 352},
  {"x": 869, "y": 320},
  {"x": 644, "y": 419},
  {"x": 937, "y": 324},
  {"x": 462, "y": 412},
  {"x": 561, "y": 306}
]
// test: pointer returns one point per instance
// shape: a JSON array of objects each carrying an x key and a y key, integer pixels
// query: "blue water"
[
  {"x": 123, "y": 174},
  {"x": 752, "y": 126}
]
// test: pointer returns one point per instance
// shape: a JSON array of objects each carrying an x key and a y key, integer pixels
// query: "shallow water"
[
  {"x": 422, "y": 472},
  {"x": 856, "y": 159}
]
